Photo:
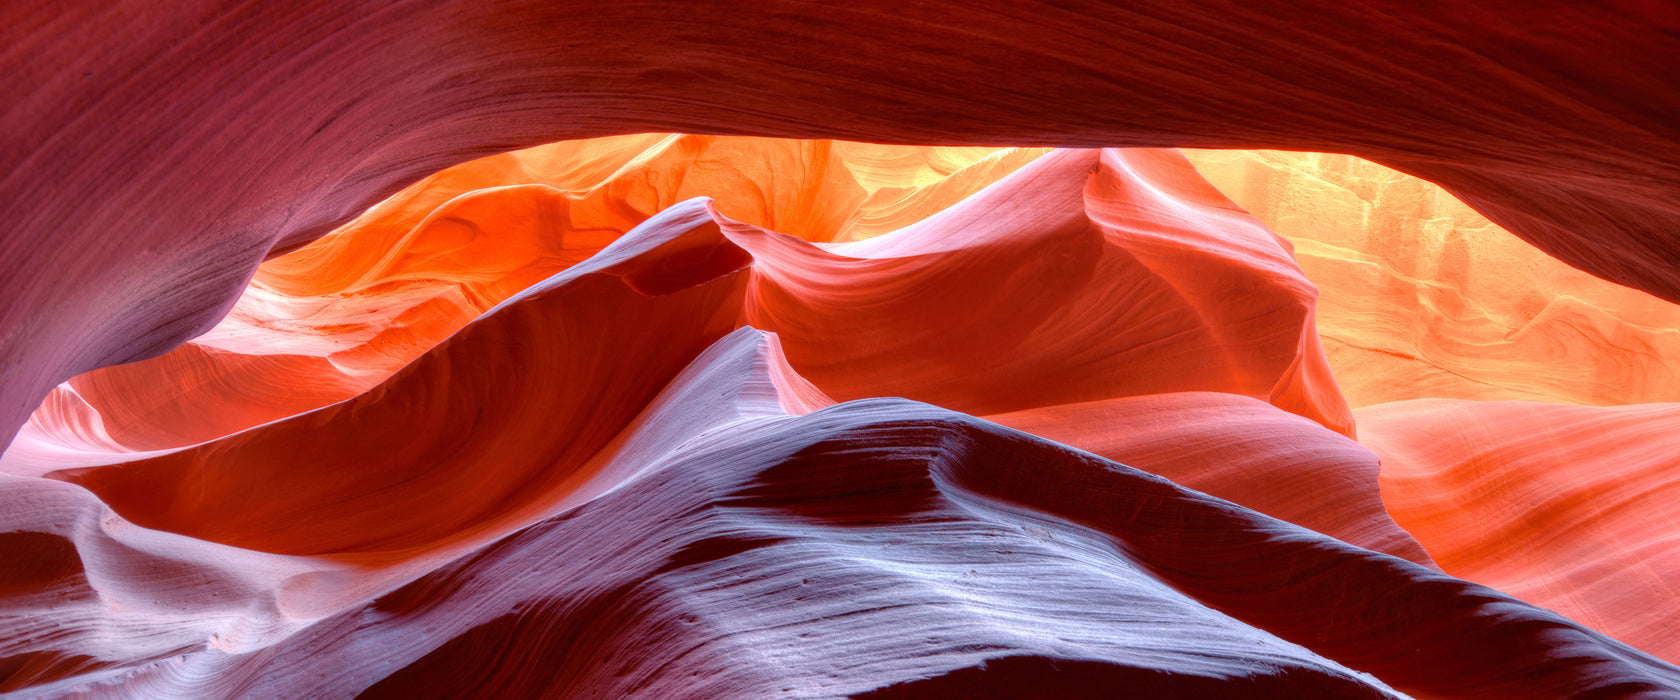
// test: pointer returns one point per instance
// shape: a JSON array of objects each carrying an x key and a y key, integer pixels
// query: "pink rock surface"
[
  {"x": 897, "y": 315},
  {"x": 607, "y": 484},
  {"x": 655, "y": 455},
  {"x": 1567, "y": 507},
  {"x": 155, "y": 154},
  {"x": 330, "y": 320},
  {"x": 1084, "y": 275},
  {"x": 1238, "y": 449},
  {"x": 729, "y": 547},
  {"x": 894, "y": 316}
]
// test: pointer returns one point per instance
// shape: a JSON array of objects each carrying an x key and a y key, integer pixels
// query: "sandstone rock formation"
[
  {"x": 154, "y": 156},
  {"x": 478, "y": 512},
  {"x": 1568, "y": 507},
  {"x": 640, "y": 414},
  {"x": 1421, "y": 297},
  {"x": 330, "y": 320}
]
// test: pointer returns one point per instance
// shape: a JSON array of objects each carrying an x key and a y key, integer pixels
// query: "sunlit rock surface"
[
  {"x": 1046, "y": 288},
  {"x": 1422, "y": 297},
  {"x": 154, "y": 155},
  {"x": 723, "y": 417},
  {"x": 332, "y": 319},
  {"x": 564, "y": 435},
  {"x": 1569, "y": 507}
]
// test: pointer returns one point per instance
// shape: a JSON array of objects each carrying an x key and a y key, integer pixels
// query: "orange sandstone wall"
[
  {"x": 154, "y": 155},
  {"x": 1569, "y": 507},
  {"x": 713, "y": 416},
  {"x": 1422, "y": 297},
  {"x": 586, "y": 437}
]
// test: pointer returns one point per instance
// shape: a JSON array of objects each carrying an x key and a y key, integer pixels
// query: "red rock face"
[
  {"x": 722, "y": 416},
  {"x": 329, "y": 321},
  {"x": 1568, "y": 507},
  {"x": 225, "y": 132},
  {"x": 495, "y": 481}
]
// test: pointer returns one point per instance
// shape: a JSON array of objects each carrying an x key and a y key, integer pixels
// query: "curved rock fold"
[{"x": 667, "y": 415}]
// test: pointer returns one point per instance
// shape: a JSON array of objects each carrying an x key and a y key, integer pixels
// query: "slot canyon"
[{"x": 709, "y": 349}]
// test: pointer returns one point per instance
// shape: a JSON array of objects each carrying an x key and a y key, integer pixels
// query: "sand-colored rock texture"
[
  {"x": 402, "y": 352},
  {"x": 536, "y": 427},
  {"x": 153, "y": 155},
  {"x": 1423, "y": 297}
]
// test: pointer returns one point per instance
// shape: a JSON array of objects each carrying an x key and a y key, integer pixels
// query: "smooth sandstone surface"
[
  {"x": 1422, "y": 297},
  {"x": 581, "y": 420},
  {"x": 712, "y": 416},
  {"x": 741, "y": 539},
  {"x": 1006, "y": 301},
  {"x": 153, "y": 156},
  {"x": 1238, "y": 449},
  {"x": 1568, "y": 507},
  {"x": 1426, "y": 303},
  {"x": 1040, "y": 290},
  {"x": 332, "y": 319}
]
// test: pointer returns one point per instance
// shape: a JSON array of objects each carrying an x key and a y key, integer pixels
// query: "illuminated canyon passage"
[{"x": 514, "y": 350}]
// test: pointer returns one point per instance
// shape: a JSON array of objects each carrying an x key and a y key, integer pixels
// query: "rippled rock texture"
[
  {"x": 723, "y": 416},
  {"x": 544, "y": 423},
  {"x": 154, "y": 155},
  {"x": 1422, "y": 297}
]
